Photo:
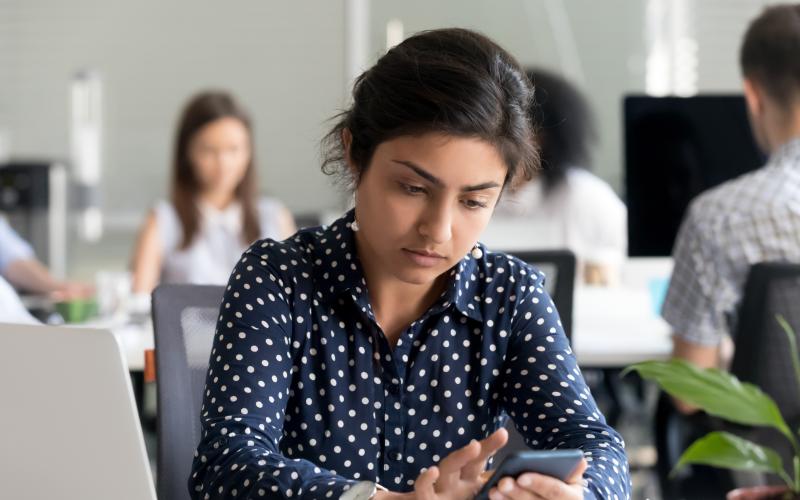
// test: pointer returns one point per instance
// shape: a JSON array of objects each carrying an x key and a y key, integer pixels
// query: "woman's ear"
[{"x": 753, "y": 98}]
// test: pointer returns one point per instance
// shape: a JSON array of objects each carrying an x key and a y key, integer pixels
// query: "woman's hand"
[
  {"x": 532, "y": 486},
  {"x": 461, "y": 474},
  {"x": 757, "y": 492}
]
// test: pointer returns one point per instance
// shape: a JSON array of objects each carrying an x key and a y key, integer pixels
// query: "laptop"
[{"x": 69, "y": 421}]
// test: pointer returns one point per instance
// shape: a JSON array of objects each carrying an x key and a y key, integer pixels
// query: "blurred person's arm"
[
  {"x": 703, "y": 289},
  {"x": 702, "y": 356},
  {"x": 147, "y": 257},
  {"x": 286, "y": 223},
  {"x": 32, "y": 276},
  {"x": 598, "y": 229},
  {"x": 18, "y": 264}
]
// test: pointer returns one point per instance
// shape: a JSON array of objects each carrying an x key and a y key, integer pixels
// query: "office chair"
[
  {"x": 761, "y": 357},
  {"x": 184, "y": 321},
  {"x": 559, "y": 268}
]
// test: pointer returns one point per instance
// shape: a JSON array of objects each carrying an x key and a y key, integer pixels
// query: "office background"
[{"x": 292, "y": 64}]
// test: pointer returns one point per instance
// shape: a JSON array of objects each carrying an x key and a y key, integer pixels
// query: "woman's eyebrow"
[{"x": 438, "y": 182}]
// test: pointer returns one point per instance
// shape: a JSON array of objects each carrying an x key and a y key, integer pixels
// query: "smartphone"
[{"x": 556, "y": 463}]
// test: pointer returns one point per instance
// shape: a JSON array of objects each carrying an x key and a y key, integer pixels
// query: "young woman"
[
  {"x": 214, "y": 214},
  {"x": 391, "y": 347}
]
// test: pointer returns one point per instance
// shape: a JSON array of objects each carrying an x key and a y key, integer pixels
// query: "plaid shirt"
[{"x": 753, "y": 218}]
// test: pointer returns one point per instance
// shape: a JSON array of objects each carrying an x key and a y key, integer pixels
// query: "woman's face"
[
  {"x": 220, "y": 153},
  {"x": 424, "y": 201}
]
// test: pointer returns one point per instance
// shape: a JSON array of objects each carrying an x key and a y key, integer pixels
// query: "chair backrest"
[
  {"x": 559, "y": 268},
  {"x": 761, "y": 354},
  {"x": 184, "y": 321}
]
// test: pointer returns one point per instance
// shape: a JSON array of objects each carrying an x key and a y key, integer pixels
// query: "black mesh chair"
[
  {"x": 761, "y": 357},
  {"x": 559, "y": 268},
  {"x": 762, "y": 354},
  {"x": 184, "y": 320}
]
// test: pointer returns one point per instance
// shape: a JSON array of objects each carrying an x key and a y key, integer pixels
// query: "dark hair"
[
  {"x": 201, "y": 110},
  {"x": 566, "y": 126},
  {"x": 770, "y": 53},
  {"x": 452, "y": 81}
]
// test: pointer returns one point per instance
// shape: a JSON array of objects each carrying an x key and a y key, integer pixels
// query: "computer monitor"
[{"x": 676, "y": 148}]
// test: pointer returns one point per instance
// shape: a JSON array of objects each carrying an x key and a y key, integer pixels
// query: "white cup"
[{"x": 113, "y": 292}]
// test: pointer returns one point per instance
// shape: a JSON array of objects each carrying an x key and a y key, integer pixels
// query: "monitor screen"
[{"x": 676, "y": 148}]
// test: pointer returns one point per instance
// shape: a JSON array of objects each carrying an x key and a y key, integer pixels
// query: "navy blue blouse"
[{"x": 305, "y": 396}]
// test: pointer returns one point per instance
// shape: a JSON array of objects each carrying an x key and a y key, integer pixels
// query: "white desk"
[
  {"x": 133, "y": 338},
  {"x": 616, "y": 327}
]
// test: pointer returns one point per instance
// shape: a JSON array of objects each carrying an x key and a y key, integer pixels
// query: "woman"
[
  {"x": 214, "y": 214},
  {"x": 389, "y": 347},
  {"x": 567, "y": 206}
]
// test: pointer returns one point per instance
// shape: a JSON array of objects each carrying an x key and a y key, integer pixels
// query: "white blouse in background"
[
  {"x": 216, "y": 247},
  {"x": 583, "y": 214}
]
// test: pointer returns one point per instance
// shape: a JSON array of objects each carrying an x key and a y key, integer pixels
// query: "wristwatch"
[{"x": 362, "y": 490}]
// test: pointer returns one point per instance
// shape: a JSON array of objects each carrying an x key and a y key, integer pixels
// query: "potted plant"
[{"x": 722, "y": 395}]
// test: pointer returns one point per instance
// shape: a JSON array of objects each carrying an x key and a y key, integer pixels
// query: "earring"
[
  {"x": 354, "y": 224},
  {"x": 476, "y": 252}
]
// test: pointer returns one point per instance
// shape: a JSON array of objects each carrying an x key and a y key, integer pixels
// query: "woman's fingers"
[
  {"x": 547, "y": 487},
  {"x": 489, "y": 446},
  {"x": 508, "y": 488},
  {"x": 424, "y": 485},
  {"x": 450, "y": 467},
  {"x": 577, "y": 475}
]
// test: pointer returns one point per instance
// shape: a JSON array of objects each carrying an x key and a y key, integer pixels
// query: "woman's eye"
[
  {"x": 473, "y": 204},
  {"x": 408, "y": 188}
]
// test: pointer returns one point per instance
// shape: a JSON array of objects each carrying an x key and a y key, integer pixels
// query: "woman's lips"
[{"x": 423, "y": 258}]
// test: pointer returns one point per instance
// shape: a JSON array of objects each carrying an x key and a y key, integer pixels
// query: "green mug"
[{"x": 76, "y": 310}]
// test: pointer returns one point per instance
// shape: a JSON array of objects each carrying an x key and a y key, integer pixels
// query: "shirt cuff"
[{"x": 363, "y": 490}]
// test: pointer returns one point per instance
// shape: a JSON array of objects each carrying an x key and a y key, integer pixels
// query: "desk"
[
  {"x": 133, "y": 337},
  {"x": 616, "y": 327}
]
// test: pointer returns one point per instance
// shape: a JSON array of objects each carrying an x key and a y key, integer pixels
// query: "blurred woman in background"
[
  {"x": 567, "y": 206},
  {"x": 214, "y": 212}
]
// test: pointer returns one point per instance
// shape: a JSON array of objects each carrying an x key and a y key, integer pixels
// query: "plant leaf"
[
  {"x": 792, "y": 344},
  {"x": 723, "y": 449},
  {"x": 718, "y": 393}
]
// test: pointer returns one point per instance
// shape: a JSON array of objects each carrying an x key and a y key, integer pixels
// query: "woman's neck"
[
  {"x": 396, "y": 304},
  {"x": 220, "y": 201}
]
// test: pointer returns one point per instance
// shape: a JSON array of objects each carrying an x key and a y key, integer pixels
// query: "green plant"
[{"x": 722, "y": 395}]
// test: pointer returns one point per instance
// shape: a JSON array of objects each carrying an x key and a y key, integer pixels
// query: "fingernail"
[
  {"x": 525, "y": 480},
  {"x": 506, "y": 486}
]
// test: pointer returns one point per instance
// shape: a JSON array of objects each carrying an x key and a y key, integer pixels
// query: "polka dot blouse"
[{"x": 305, "y": 397}]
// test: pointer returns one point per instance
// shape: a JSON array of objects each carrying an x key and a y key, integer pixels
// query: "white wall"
[
  {"x": 608, "y": 49},
  {"x": 283, "y": 59}
]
